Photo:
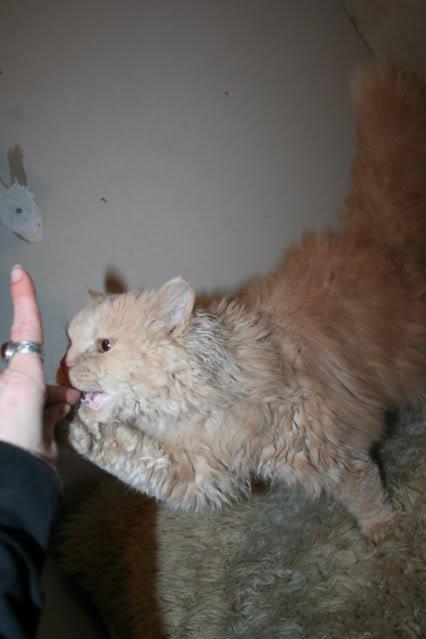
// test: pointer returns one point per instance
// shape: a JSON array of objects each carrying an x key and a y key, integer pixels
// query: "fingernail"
[
  {"x": 16, "y": 273},
  {"x": 66, "y": 409}
]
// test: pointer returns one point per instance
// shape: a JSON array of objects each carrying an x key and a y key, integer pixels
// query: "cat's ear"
[
  {"x": 94, "y": 296},
  {"x": 176, "y": 299}
]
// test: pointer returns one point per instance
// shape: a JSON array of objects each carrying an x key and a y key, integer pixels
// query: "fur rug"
[{"x": 275, "y": 566}]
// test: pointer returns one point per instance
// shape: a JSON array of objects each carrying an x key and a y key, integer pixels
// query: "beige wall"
[{"x": 128, "y": 101}]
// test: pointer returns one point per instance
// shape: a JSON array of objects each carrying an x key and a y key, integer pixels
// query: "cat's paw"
[
  {"x": 378, "y": 530},
  {"x": 79, "y": 437}
]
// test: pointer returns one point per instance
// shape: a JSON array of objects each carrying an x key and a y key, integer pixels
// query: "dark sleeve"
[{"x": 30, "y": 495}]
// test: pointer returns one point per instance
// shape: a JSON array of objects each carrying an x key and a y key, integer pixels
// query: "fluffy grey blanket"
[{"x": 275, "y": 566}]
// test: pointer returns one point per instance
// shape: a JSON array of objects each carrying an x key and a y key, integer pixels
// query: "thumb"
[{"x": 52, "y": 415}]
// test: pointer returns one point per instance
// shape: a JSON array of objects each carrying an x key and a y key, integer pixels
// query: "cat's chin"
[{"x": 96, "y": 407}]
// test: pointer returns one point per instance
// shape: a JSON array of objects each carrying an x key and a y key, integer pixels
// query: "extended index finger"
[
  {"x": 26, "y": 325},
  {"x": 26, "y": 314}
]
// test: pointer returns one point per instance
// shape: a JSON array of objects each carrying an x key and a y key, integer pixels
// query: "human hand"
[{"x": 29, "y": 411}]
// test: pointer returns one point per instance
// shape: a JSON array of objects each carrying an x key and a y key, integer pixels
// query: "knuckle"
[
  {"x": 20, "y": 382},
  {"x": 25, "y": 326}
]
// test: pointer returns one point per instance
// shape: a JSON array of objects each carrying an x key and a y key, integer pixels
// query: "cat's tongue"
[{"x": 95, "y": 399}]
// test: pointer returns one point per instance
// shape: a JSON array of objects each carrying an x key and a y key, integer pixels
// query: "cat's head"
[{"x": 128, "y": 352}]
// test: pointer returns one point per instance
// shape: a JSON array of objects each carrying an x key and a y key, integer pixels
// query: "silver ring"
[{"x": 9, "y": 349}]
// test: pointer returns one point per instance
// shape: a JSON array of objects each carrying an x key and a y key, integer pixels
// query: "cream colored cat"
[{"x": 290, "y": 380}]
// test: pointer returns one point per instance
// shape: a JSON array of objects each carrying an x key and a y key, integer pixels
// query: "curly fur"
[{"x": 288, "y": 381}]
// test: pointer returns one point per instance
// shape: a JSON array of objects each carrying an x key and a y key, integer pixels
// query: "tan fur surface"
[
  {"x": 289, "y": 381},
  {"x": 278, "y": 565}
]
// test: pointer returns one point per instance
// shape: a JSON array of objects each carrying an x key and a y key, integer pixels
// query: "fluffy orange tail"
[{"x": 388, "y": 199}]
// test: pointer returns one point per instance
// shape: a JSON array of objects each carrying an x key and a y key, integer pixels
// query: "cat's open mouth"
[{"x": 95, "y": 399}]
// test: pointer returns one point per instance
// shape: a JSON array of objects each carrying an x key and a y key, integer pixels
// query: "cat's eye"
[{"x": 103, "y": 345}]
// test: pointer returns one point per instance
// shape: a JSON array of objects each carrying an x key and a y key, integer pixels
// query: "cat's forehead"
[
  {"x": 88, "y": 319},
  {"x": 112, "y": 315}
]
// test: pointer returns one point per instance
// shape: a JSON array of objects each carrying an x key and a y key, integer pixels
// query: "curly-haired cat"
[{"x": 290, "y": 379}]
